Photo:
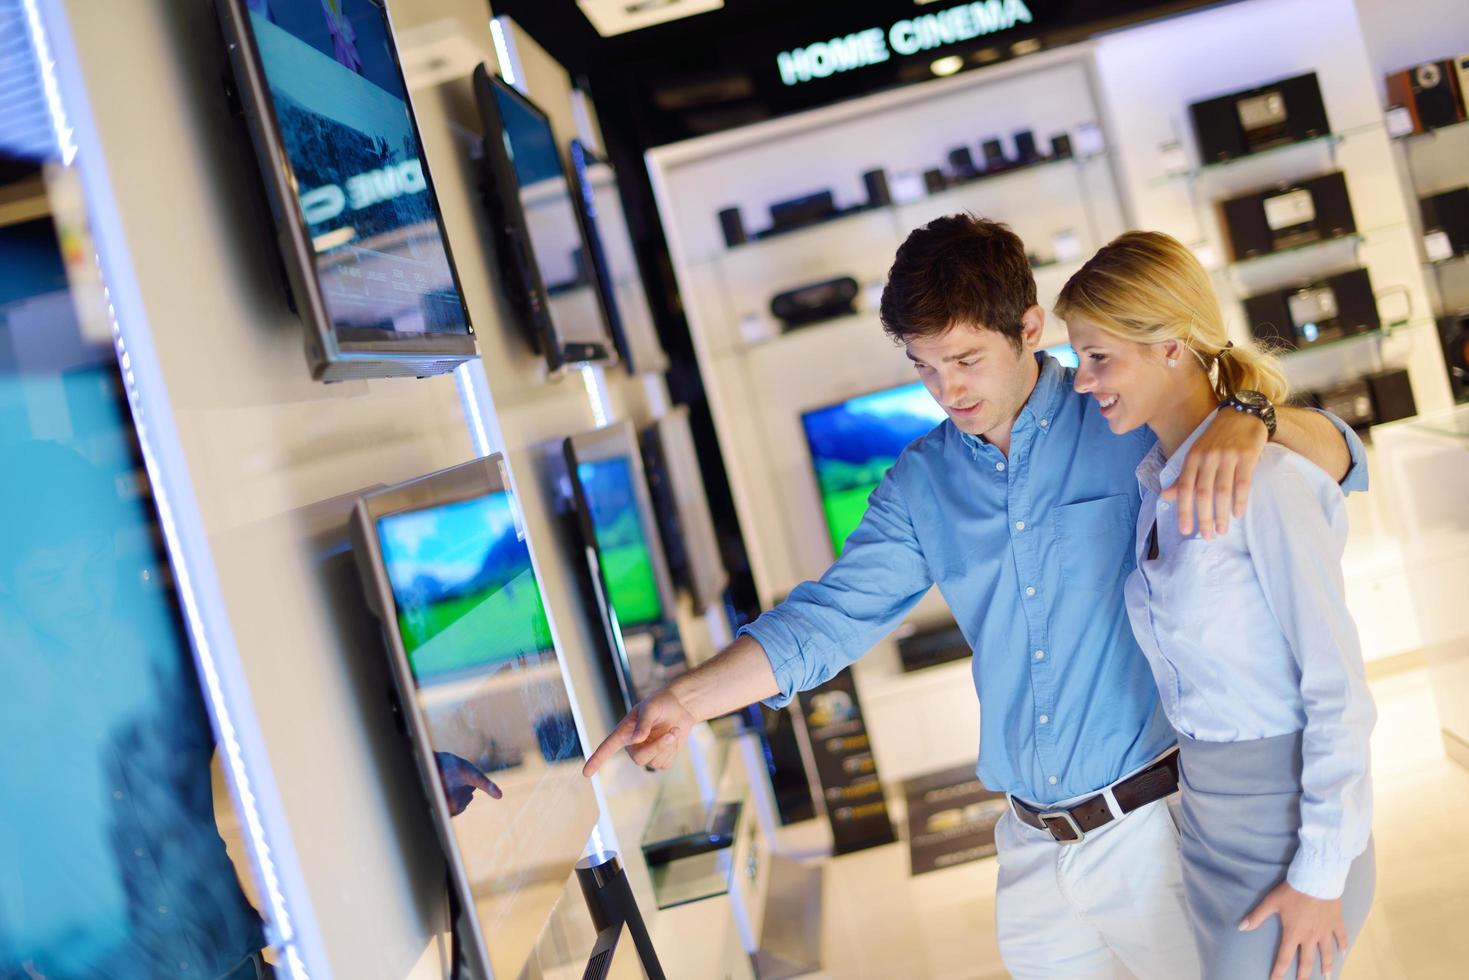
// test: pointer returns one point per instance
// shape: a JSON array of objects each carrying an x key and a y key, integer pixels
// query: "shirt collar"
[
  {"x": 1155, "y": 473},
  {"x": 1043, "y": 401}
]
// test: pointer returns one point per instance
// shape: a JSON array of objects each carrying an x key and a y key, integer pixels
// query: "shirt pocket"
[
  {"x": 1192, "y": 592},
  {"x": 1094, "y": 542}
]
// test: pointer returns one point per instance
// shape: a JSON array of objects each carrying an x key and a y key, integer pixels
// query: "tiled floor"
[{"x": 879, "y": 923}]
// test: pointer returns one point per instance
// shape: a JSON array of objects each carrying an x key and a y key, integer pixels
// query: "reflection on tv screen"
[
  {"x": 466, "y": 594},
  {"x": 622, "y": 546},
  {"x": 343, "y": 115},
  {"x": 854, "y": 443}
]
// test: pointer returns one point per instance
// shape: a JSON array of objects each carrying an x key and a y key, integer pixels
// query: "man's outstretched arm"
[{"x": 653, "y": 731}]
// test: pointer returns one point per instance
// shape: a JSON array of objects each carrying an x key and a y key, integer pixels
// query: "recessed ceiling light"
[{"x": 947, "y": 65}]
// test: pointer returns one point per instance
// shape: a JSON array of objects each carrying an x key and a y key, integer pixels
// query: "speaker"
[
  {"x": 1287, "y": 216},
  {"x": 1025, "y": 148},
  {"x": 1453, "y": 331},
  {"x": 994, "y": 156},
  {"x": 799, "y": 211},
  {"x": 1339, "y": 306},
  {"x": 934, "y": 181},
  {"x": 1061, "y": 146},
  {"x": 878, "y": 193},
  {"x": 1430, "y": 92},
  {"x": 1392, "y": 396},
  {"x": 1449, "y": 213},
  {"x": 815, "y": 302},
  {"x": 1369, "y": 400},
  {"x": 961, "y": 162},
  {"x": 1241, "y": 123},
  {"x": 732, "y": 223}
]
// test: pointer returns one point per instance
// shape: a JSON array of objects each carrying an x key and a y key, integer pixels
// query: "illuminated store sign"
[{"x": 905, "y": 37}]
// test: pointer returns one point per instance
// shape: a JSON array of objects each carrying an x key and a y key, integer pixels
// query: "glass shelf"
[
  {"x": 1444, "y": 263},
  {"x": 1339, "y": 341},
  {"x": 1256, "y": 261},
  {"x": 1429, "y": 134},
  {"x": 1331, "y": 139},
  {"x": 695, "y": 878}
]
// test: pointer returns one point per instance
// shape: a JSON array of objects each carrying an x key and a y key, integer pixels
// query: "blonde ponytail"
[{"x": 1147, "y": 287}]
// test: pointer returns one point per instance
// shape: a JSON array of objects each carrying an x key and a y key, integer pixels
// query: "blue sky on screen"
[
  {"x": 909, "y": 399},
  {"x": 449, "y": 543}
]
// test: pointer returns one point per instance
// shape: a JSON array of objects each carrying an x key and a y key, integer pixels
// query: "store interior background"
[{"x": 260, "y": 464}]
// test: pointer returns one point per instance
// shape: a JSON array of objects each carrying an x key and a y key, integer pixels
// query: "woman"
[{"x": 1247, "y": 633}]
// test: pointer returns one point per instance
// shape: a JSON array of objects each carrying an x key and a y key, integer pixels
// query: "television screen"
[
  {"x": 1064, "y": 353},
  {"x": 615, "y": 264},
  {"x": 681, "y": 505},
  {"x": 855, "y": 442},
  {"x": 359, "y": 225},
  {"x": 541, "y": 245},
  {"x": 622, "y": 541},
  {"x": 448, "y": 570}
]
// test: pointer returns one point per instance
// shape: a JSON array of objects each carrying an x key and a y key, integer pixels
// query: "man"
[{"x": 1021, "y": 508}]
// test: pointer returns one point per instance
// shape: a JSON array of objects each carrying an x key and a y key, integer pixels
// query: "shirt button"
[
  {"x": 1030, "y": 590},
  {"x": 137, "y": 852},
  {"x": 1045, "y": 423},
  {"x": 1045, "y": 719},
  {"x": 184, "y": 965},
  {"x": 1162, "y": 505},
  {"x": 163, "y": 910},
  {"x": 117, "y": 794},
  {"x": 1040, "y": 655},
  {"x": 1000, "y": 467},
  {"x": 1020, "y": 525},
  {"x": 1052, "y": 780}
]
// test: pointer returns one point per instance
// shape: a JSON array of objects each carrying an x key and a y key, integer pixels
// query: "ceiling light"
[{"x": 947, "y": 66}]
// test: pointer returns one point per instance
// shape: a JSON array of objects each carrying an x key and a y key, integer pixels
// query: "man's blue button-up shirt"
[{"x": 1030, "y": 552}]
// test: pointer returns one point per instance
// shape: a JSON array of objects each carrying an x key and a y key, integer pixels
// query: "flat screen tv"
[
  {"x": 855, "y": 442},
  {"x": 681, "y": 504},
  {"x": 614, "y": 263},
  {"x": 357, "y": 223},
  {"x": 539, "y": 239},
  {"x": 633, "y": 588},
  {"x": 448, "y": 571},
  {"x": 1064, "y": 353}
]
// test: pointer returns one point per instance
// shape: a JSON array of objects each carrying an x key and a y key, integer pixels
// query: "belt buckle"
[{"x": 1067, "y": 821}]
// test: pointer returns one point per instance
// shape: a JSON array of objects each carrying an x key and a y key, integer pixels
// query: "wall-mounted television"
[
  {"x": 448, "y": 571},
  {"x": 357, "y": 222},
  {"x": 682, "y": 506},
  {"x": 615, "y": 263},
  {"x": 855, "y": 442},
  {"x": 1064, "y": 353},
  {"x": 632, "y": 585},
  {"x": 543, "y": 255}
]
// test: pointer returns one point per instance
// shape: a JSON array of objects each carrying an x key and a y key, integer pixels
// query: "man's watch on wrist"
[{"x": 1256, "y": 404}]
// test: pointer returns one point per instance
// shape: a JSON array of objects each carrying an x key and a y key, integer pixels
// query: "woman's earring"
[{"x": 1173, "y": 362}]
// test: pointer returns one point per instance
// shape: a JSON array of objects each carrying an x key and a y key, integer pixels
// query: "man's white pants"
[{"x": 1109, "y": 906}]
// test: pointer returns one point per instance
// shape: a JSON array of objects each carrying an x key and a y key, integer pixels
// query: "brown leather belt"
[{"x": 1072, "y": 824}]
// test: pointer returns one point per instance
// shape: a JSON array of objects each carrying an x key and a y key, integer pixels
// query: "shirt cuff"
[
  {"x": 776, "y": 639},
  {"x": 1317, "y": 875},
  {"x": 1356, "y": 478}
]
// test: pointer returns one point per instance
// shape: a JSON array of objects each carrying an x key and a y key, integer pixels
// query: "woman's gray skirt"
[{"x": 1240, "y": 811}]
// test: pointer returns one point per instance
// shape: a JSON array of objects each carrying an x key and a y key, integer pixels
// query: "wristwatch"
[{"x": 1256, "y": 404}]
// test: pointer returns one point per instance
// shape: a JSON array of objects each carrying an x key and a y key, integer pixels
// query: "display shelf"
[
  {"x": 695, "y": 878},
  {"x": 1379, "y": 334},
  {"x": 1330, "y": 140},
  {"x": 1260, "y": 261},
  {"x": 1430, "y": 134},
  {"x": 1437, "y": 264}
]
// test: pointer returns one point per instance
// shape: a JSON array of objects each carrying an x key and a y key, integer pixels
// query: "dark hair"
[{"x": 958, "y": 270}]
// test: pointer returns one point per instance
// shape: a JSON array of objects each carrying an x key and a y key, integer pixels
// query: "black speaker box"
[
  {"x": 1025, "y": 148},
  {"x": 1449, "y": 213},
  {"x": 1241, "y": 123},
  {"x": 1369, "y": 400},
  {"x": 1453, "y": 331},
  {"x": 798, "y": 211},
  {"x": 1336, "y": 307},
  {"x": 815, "y": 302},
  {"x": 961, "y": 162},
  {"x": 994, "y": 156},
  {"x": 1287, "y": 216},
  {"x": 878, "y": 192},
  {"x": 733, "y": 225},
  {"x": 1061, "y": 146},
  {"x": 934, "y": 181},
  {"x": 1430, "y": 93}
]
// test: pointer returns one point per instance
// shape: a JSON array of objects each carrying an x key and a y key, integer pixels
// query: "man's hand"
[
  {"x": 1215, "y": 480},
  {"x": 1307, "y": 925},
  {"x": 461, "y": 778},
  {"x": 651, "y": 733}
]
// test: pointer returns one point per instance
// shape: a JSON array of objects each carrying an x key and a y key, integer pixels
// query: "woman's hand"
[{"x": 1307, "y": 925}]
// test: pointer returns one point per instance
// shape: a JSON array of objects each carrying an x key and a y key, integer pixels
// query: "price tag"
[
  {"x": 1399, "y": 121},
  {"x": 1438, "y": 246}
]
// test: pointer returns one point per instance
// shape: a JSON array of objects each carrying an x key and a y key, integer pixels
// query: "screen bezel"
[
  {"x": 467, "y": 481},
  {"x": 670, "y": 442},
  {"x": 811, "y": 455},
  {"x": 530, "y": 299},
  {"x": 332, "y": 353},
  {"x": 583, "y": 206},
  {"x": 619, "y": 441}
]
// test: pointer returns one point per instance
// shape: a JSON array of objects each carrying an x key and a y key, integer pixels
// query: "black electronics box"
[
  {"x": 934, "y": 181},
  {"x": 1061, "y": 146},
  {"x": 1430, "y": 92},
  {"x": 816, "y": 302},
  {"x": 800, "y": 211},
  {"x": 1288, "y": 215},
  {"x": 1336, "y": 307},
  {"x": 878, "y": 192},
  {"x": 994, "y": 156},
  {"x": 1453, "y": 331},
  {"x": 1369, "y": 400},
  {"x": 932, "y": 647},
  {"x": 1241, "y": 123},
  {"x": 1025, "y": 148},
  {"x": 1449, "y": 213},
  {"x": 733, "y": 226},
  {"x": 961, "y": 162}
]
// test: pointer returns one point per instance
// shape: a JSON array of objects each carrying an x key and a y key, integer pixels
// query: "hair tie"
[{"x": 1228, "y": 346}]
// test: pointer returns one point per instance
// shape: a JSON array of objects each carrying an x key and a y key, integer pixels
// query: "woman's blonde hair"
[{"x": 1148, "y": 288}]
